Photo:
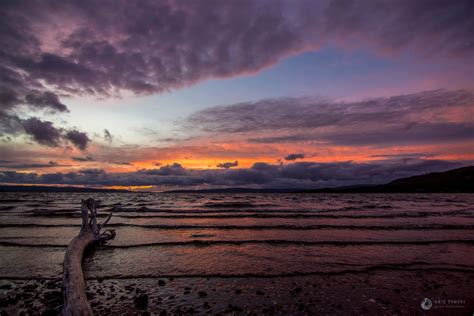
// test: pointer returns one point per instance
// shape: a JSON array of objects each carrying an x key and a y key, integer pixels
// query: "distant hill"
[
  {"x": 457, "y": 180},
  {"x": 234, "y": 190},
  {"x": 34, "y": 188},
  {"x": 453, "y": 181}
]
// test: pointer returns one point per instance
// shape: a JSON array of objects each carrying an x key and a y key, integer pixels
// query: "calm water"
[{"x": 240, "y": 234}]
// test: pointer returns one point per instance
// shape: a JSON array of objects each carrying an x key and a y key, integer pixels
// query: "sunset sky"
[{"x": 160, "y": 95}]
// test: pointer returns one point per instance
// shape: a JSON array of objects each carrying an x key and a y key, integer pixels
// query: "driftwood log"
[{"x": 74, "y": 287}]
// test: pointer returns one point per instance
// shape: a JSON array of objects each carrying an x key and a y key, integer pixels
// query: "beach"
[{"x": 245, "y": 253}]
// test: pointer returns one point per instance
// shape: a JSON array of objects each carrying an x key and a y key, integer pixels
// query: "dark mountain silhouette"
[
  {"x": 459, "y": 180},
  {"x": 454, "y": 181}
]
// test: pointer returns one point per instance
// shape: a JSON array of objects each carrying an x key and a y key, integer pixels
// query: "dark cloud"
[
  {"x": 83, "y": 159},
  {"x": 53, "y": 48},
  {"x": 175, "y": 169},
  {"x": 45, "y": 100},
  {"x": 78, "y": 139},
  {"x": 163, "y": 45},
  {"x": 292, "y": 157},
  {"x": 425, "y": 117},
  {"x": 91, "y": 171},
  {"x": 16, "y": 165},
  {"x": 261, "y": 175},
  {"x": 227, "y": 165},
  {"x": 125, "y": 163},
  {"x": 43, "y": 132},
  {"x": 405, "y": 155},
  {"x": 107, "y": 136}
]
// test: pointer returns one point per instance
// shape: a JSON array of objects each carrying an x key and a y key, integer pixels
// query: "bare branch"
[{"x": 105, "y": 222}]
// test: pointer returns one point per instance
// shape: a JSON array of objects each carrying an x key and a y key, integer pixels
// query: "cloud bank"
[
  {"x": 260, "y": 175},
  {"x": 162, "y": 45},
  {"x": 430, "y": 117}
]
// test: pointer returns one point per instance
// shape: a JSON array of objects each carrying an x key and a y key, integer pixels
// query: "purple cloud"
[
  {"x": 43, "y": 132},
  {"x": 45, "y": 100},
  {"x": 424, "y": 117},
  {"x": 82, "y": 159},
  {"x": 292, "y": 157},
  {"x": 227, "y": 165},
  {"x": 260, "y": 175},
  {"x": 78, "y": 139},
  {"x": 16, "y": 165},
  {"x": 158, "y": 46}
]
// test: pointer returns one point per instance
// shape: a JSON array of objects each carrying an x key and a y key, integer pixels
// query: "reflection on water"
[{"x": 240, "y": 234}]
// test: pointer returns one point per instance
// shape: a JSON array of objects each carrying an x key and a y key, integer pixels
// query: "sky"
[{"x": 160, "y": 95}]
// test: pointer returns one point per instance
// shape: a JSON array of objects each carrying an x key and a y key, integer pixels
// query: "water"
[{"x": 237, "y": 236}]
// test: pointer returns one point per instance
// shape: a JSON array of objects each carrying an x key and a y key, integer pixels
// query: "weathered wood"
[{"x": 74, "y": 287}]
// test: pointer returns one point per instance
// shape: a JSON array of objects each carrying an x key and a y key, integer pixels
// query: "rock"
[
  {"x": 13, "y": 300},
  {"x": 141, "y": 301},
  {"x": 259, "y": 292},
  {"x": 29, "y": 287},
  {"x": 238, "y": 291},
  {"x": 202, "y": 294},
  {"x": 190, "y": 310},
  {"x": 161, "y": 283},
  {"x": 4, "y": 302}
]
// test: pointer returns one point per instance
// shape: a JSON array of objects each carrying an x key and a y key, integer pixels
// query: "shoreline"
[{"x": 376, "y": 292}]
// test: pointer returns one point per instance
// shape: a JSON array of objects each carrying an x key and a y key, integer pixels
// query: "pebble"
[{"x": 141, "y": 301}]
